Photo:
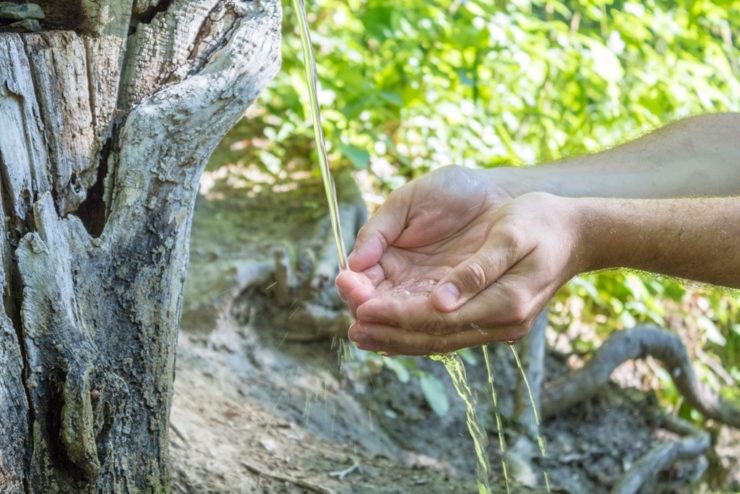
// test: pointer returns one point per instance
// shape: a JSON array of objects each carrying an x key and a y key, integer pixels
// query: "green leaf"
[
  {"x": 711, "y": 331},
  {"x": 394, "y": 99},
  {"x": 359, "y": 157},
  {"x": 435, "y": 393},
  {"x": 397, "y": 366},
  {"x": 468, "y": 356}
]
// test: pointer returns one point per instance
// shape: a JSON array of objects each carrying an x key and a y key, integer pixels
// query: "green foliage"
[
  {"x": 359, "y": 364},
  {"x": 409, "y": 85},
  {"x": 435, "y": 394}
]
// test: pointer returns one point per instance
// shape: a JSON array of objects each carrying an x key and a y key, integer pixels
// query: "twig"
[
  {"x": 262, "y": 471},
  {"x": 340, "y": 474},
  {"x": 716, "y": 368},
  {"x": 179, "y": 433}
]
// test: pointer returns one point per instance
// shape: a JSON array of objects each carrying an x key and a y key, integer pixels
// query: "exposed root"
[
  {"x": 692, "y": 445},
  {"x": 634, "y": 343},
  {"x": 527, "y": 405},
  {"x": 533, "y": 362}
]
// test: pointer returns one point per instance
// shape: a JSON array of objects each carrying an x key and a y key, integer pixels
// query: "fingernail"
[{"x": 448, "y": 295}]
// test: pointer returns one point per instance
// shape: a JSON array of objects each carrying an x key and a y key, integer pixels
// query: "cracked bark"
[{"x": 103, "y": 136}]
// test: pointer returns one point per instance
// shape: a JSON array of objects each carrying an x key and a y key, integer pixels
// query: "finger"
[
  {"x": 506, "y": 303},
  {"x": 356, "y": 288},
  {"x": 375, "y": 337},
  {"x": 466, "y": 280},
  {"x": 375, "y": 274},
  {"x": 381, "y": 230}
]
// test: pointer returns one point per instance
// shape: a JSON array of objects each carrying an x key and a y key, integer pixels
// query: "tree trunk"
[{"x": 107, "y": 117}]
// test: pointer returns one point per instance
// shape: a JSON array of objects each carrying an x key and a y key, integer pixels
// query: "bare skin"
[{"x": 465, "y": 257}]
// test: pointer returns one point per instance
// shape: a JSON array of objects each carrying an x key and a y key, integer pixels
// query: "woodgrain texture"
[{"x": 105, "y": 125}]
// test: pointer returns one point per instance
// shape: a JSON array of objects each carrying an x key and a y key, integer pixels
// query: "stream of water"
[
  {"x": 497, "y": 415},
  {"x": 326, "y": 176},
  {"x": 452, "y": 362},
  {"x": 456, "y": 369}
]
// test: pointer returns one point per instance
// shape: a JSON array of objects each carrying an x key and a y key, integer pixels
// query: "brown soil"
[
  {"x": 256, "y": 411},
  {"x": 252, "y": 414}
]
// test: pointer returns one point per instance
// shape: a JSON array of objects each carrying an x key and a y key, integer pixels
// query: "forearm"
[
  {"x": 695, "y": 157},
  {"x": 697, "y": 239}
]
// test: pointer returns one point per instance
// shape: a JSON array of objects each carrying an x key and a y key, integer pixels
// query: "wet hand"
[{"x": 447, "y": 263}]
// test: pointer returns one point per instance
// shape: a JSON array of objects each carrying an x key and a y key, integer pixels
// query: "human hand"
[
  {"x": 411, "y": 240},
  {"x": 445, "y": 264}
]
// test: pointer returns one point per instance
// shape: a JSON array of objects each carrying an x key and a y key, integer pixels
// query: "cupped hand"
[{"x": 450, "y": 261}]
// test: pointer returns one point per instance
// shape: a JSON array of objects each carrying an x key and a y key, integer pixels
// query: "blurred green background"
[{"x": 410, "y": 85}]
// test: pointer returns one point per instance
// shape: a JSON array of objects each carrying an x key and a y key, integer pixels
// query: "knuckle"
[
  {"x": 474, "y": 276},
  {"x": 513, "y": 239}
]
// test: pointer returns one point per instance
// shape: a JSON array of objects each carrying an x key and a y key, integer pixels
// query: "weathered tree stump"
[{"x": 107, "y": 116}]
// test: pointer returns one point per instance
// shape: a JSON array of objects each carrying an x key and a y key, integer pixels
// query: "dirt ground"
[
  {"x": 254, "y": 414},
  {"x": 258, "y": 411}
]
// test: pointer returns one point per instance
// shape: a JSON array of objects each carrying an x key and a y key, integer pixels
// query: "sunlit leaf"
[
  {"x": 711, "y": 331},
  {"x": 359, "y": 157},
  {"x": 435, "y": 393},
  {"x": 397, "y": 366}
]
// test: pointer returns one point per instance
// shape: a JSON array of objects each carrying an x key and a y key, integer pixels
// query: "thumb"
[
  {"x": 475, "y": 274},
  {"x": 381, "y": 230}
]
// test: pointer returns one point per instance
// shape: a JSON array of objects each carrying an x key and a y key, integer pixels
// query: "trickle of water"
[
  {"x": 309, "y": 62},
  {"x": 497, "y": 414},
  {"x": 452, "y": 362},
  {"x": 540, "y": 437},
  {"x": 456, "y": 369}
]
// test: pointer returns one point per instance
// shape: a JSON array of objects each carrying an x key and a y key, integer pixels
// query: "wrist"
[
  {"x": 512, "y": 181},
  {"x": 595, "y": 224},
  {"x": 576, "y": 227}
]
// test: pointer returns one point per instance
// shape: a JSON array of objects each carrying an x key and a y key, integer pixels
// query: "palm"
[
  {"x": 429, "y": 256},
  {"x": 448, "y": 219}
]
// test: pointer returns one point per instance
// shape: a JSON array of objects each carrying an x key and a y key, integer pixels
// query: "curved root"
[{"x": 634, "y": 343}]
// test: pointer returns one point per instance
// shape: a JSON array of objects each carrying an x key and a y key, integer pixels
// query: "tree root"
[
  {"x": 692, "y": 445},
  {"x": 634, "y": 343},
  {"x": 529, "y": 444},
  {"x": 532, "y": 349}
]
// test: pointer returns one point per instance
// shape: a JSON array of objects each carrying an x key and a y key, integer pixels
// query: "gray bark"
[{"x": 106, "y": 120}]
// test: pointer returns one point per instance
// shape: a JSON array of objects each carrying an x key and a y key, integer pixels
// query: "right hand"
[
  {"x": 506, "y": 263},
  {"x": 445, "y": 226}
]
